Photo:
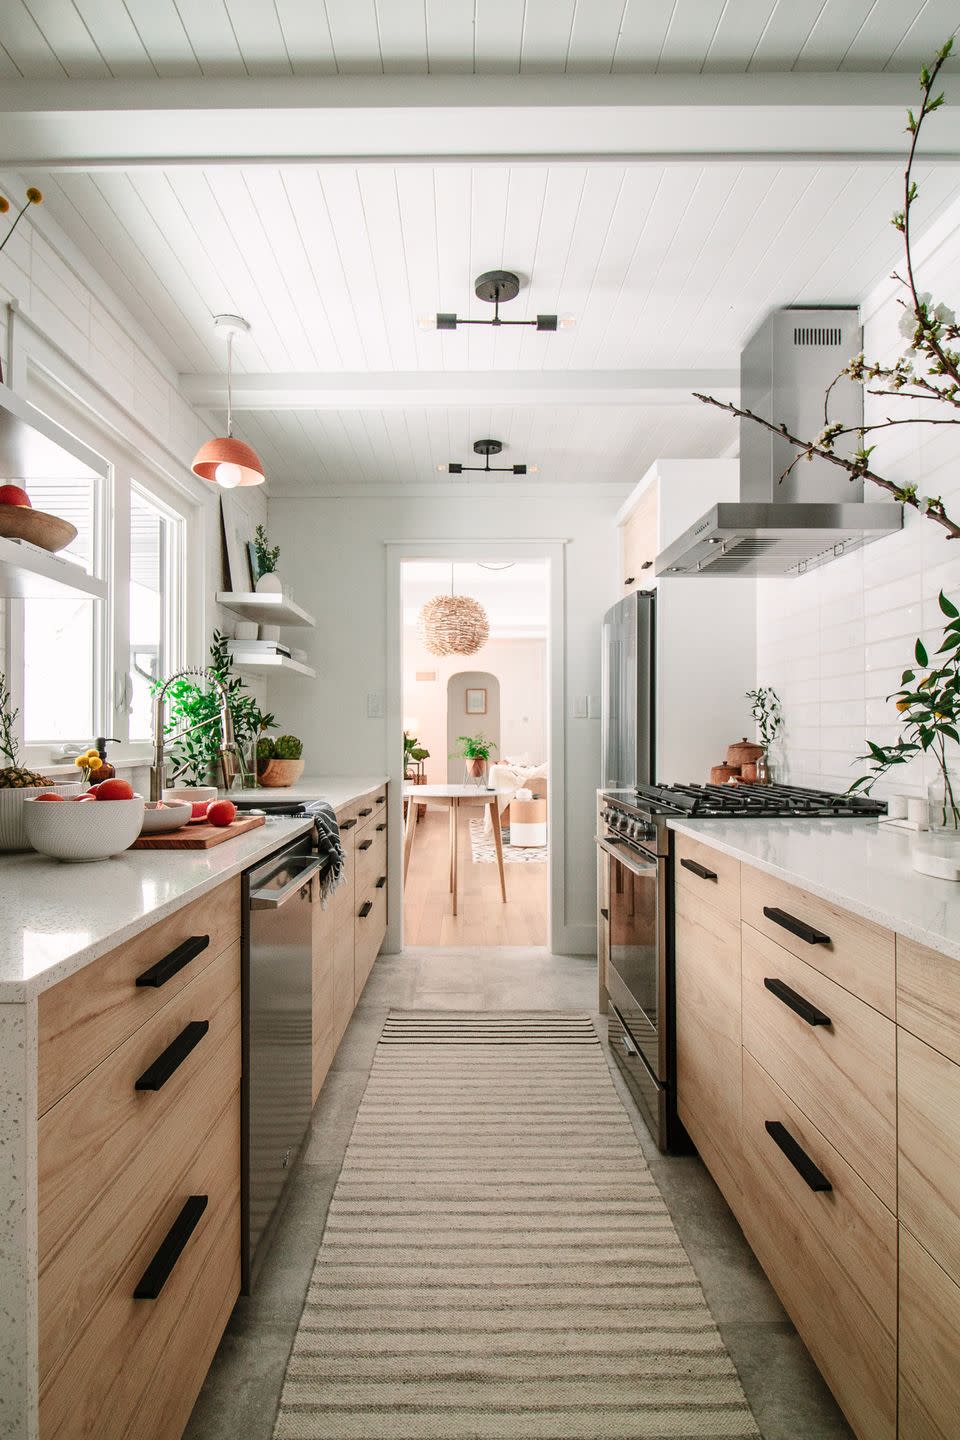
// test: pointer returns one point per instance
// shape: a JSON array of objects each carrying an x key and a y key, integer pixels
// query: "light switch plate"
[
  {"x": 580, "y": 707},
  {"x": 374, "y": 705},
  {"x": 593, "y": 707}
]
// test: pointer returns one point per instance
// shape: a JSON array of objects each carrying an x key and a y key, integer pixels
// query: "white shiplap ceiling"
[{"x": 92, "y": 39}]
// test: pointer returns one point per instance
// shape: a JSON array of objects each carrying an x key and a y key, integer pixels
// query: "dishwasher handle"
[{"x": 273, "y": 899}]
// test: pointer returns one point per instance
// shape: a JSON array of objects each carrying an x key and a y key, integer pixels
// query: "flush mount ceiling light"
[
  {"x": 224, "y": 460},
  {"x": 487, "y": 448},
  {"x": 496, "y": 287},
  {"x": 453, "y": 624}
]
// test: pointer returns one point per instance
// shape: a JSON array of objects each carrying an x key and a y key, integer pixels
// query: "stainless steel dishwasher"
[{"x": 278, "y": 898}]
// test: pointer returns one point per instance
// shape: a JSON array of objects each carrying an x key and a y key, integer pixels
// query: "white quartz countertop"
[
  {"x": 56, "y": 918},
  {"x": 860, "y": 865}
]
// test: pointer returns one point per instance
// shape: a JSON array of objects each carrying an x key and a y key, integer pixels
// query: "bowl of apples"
[{"x": 101, "y": 822}]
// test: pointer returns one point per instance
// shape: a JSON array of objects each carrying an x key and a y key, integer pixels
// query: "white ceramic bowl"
[
  {"x": 191, "y": 794},
  {"x": 13, "y": 835},
  {"x": 83, "y": 829},
  {"x": 160, "y": 821}
]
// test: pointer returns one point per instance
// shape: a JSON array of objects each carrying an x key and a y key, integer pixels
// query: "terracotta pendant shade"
[
  {"x": 240, "y": 464},
  {"x": 453, "y": 625}
]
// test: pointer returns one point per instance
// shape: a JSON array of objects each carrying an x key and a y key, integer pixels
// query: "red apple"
[
  {"x": 50, "y": 796},
  {"x": 222, "y": 812},
  {"x": 13, "y": 495}
]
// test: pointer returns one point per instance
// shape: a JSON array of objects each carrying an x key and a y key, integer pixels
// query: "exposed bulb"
[
  {"x": 442, "y": 468},
  {"x": 229, "y": 476},
  {"x": 567, "y": 322},
  {"x": 533, "y": 469},
  {"x": 428, "y": 322}
]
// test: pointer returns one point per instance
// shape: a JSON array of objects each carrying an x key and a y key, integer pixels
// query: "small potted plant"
[
  {"x": 476, "y": 751},
  {"x": 414, "y": 755},
  {"x": 768, "y": 716},
  {"x": 267, "y": 556},
  {"x": 928, "y": 703},
  {"x": 279, "y": 761},
  {"x": 17, "y": 783}
]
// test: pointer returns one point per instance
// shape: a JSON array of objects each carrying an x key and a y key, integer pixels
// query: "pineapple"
[{"x": 15, "y": 777}]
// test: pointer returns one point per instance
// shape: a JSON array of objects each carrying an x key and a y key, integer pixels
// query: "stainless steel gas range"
[{"x": 635, "y": 921}]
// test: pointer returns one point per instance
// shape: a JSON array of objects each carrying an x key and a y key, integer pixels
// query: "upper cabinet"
[{"x": 670, "y": 497}]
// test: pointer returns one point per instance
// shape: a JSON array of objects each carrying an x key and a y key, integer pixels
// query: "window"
[{"x": 154, "y": 609}]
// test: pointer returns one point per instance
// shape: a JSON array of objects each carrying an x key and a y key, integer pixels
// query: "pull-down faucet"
[{"x": 227, "y": 741}]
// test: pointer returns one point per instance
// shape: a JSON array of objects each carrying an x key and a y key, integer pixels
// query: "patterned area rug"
[
  {"x": 498, "y": 1263},
  {"x": 485, "y": 852}
]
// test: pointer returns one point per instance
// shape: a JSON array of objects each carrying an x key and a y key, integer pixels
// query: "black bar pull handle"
[
  {"x": 797, "y": 1003},
  {"x": 797, "y": 1156},
  {"x": 381, "y": 827},
  {"x": 166, "y": 968},
  {"x": 381, "y": 882},
  {"x": 364, "y": 844},
  {"x": 698, "y": 869},
  {"x": 169, "y": 1060},
  {"x": 381, "y": 799},
  {"x": 347, "y": 824},
  {"x": 796, "y": 927},
  {"x": 365, "y": 909},
  {"x": 629, "y": 580},
  {"x": 158, "y": 1271},
  {"x": 367, "y": 810},
  {"x": 604, "y": 912}
]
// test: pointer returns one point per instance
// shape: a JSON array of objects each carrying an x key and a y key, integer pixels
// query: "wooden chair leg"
[
  {"x": 498, "y": 843},
  {"x": 455, "y": 815},
  {"x": 409, "y": 830}
]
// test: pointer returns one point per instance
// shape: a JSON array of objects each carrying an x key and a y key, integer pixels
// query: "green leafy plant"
[
  {"x": 929, "y": 706},
  {"x": 766, "y": 711},
  {"x": 267, "y": 554},
  {"x": 413, "y": 752},
  {"x": 287, "y": 747},
  {"x": 475, "y": 747},
  {"x": 928, "y": 369},
  {"x": 191, "y": 703},
  {"x": 9, "y": 745}
]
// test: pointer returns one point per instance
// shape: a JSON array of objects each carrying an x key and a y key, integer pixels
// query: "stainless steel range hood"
[{"x": 788, "y": 527}]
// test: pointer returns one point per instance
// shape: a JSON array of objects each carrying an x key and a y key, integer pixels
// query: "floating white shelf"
[
  {"x": 265, "y": 664},
  {"x": 34, "y": 447},
  {"x": 27, "y": 573},
  {"x": 266, "y": 607}
]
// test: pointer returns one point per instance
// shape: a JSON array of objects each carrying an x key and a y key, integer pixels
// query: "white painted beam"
[
  {"x": 456, "y": 389},
  {"x": 74, "y": 123}
]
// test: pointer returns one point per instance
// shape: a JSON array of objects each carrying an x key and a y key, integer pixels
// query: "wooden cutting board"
[{"x": 197, "y": 837}]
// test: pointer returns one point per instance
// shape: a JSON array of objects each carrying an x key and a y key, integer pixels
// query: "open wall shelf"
[
  {"x": 28, "y": 573},
  {"x": 265, "y": 664},
  {"x": 266, "y": 608}
]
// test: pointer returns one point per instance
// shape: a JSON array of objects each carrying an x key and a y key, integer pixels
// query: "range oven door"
[{"x": 634, "y": 888}]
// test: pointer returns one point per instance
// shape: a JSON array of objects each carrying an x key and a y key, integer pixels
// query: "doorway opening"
[{"x": 476, "y": 758}]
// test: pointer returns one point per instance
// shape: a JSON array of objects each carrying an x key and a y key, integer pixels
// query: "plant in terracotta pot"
[
  {"x": 928, "y": 703},
  {"x": 267, "y": 556},
  {"x": 279, "y": 761},
  {"x": 768, "y": 715},
  {"x": 476, "y": 751},
  {"x": 16, "y": 781}
]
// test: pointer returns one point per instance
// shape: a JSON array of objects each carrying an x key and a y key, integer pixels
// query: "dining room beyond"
[{"x": 476, "y": 752}]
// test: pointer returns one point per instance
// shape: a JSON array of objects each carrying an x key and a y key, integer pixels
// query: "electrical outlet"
[{"x": 374, "y": 705}]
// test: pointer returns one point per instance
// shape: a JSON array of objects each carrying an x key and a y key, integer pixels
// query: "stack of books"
[{"x": 252, "y": 649}]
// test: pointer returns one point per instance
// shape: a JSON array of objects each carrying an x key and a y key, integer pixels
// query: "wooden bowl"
[
  {"x": 275, "y": 774},
  {"x": 18, "y": 522}
]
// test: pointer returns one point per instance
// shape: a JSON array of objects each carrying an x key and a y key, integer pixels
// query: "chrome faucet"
[{"x": 228, "y": 746}]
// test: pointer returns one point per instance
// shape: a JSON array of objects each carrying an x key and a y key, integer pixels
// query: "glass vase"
[{"x": 943, "y": 803}]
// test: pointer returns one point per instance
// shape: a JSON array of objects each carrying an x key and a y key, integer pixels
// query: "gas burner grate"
[{"x": 758, "y": 801}]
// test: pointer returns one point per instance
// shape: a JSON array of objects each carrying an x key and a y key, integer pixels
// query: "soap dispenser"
[{"x": 106, "y": 771}]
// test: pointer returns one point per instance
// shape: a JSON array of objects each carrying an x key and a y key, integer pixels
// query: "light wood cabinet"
[
  {"x": 342, "y": 904},
  {"x": 708, "y": 875},
  {"x": 929, "y": 1132},
  {"x": 356, "y": 915},
  {"x": 929, "y": 1346},
  {"x": 928, "y": 996}
]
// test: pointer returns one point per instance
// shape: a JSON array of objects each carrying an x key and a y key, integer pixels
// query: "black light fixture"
[
  {"x": 488, "y": 448},
  {"x": 496, "y": 287}
]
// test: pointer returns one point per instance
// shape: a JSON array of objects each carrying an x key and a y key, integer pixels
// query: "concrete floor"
[{"x": 240, "y": 1397}]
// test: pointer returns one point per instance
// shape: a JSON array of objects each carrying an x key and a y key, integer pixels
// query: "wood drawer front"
[
  {"x": 371, "y": 857},
  {"x": 370, "y": 930},
  {"x": 342, "y": 905},
  {"x": 372, "y": 807},
  {"x": 929, "y": 1346},
  {"x": 842, "y": 1075},
  {"x": 106, "y": 1133},
  {"x": 136, "y": 1367},
  {"x": 723, "y": 893},
  {"x": 929, "y": 1131},
  {"x": 708, "y": 1019},
  {"x": 860, "y": 956},
  {"x": 928, "y": 996},
  {"x": 92, "y": 1012},
  {"x": 831, "y": 1257}
]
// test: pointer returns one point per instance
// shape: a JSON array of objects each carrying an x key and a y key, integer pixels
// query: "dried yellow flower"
[
  {"x": 94, "y": 762},
  {"x": 4, "y": 204},
  {"x": 34, "y": 195}
]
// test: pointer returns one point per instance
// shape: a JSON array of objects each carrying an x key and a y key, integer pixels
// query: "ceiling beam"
[
  {"x": 456, "y": 389},
  {"x": 74, "y": 123}
]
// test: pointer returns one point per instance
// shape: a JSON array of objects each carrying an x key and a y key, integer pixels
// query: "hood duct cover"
[{"x": 788, "y": 526}]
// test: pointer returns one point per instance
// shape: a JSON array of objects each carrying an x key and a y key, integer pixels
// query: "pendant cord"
[{"x": 229, "y": 385}]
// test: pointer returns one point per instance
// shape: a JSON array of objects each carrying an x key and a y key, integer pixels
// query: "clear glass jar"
[{"x": 943, "y": 803}]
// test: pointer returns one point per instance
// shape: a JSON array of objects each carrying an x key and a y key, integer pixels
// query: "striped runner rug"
[{"x": 498, "y": 1263}]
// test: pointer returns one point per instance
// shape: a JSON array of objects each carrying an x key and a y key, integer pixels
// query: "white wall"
[
  {"x": 333, "y": 554},
  {"x": 834, "y": 643}
]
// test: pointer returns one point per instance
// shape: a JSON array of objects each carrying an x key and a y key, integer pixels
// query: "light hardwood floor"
[{"x": 483, "y": 919}]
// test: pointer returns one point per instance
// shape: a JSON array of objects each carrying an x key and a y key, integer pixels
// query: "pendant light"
[
  {"x": 453, "y": 624},
  {"x": 226, "y": 461}
]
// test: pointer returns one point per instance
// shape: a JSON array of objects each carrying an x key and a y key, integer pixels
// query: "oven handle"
[
  {"x": 639, "y": 864},
  {"x": 626, "y": 1038},
  {"x": 273, "y": 899}
]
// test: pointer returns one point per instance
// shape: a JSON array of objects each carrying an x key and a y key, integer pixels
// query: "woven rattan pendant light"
[{"x": 453, "y": 624}]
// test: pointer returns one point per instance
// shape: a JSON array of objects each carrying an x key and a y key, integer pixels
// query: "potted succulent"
[
  {"x": 279, "y": 761},
  {"x": 476, "y": 751},
  {"x": 929, "y": 706},
  {"x": 17, "y": 783}
]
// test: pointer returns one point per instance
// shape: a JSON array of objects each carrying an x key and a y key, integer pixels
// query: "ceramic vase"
[{"x": 269, "y": 584}]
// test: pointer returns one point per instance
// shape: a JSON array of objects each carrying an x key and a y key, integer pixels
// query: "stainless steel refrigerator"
[{"x": 676, "y": 664}]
